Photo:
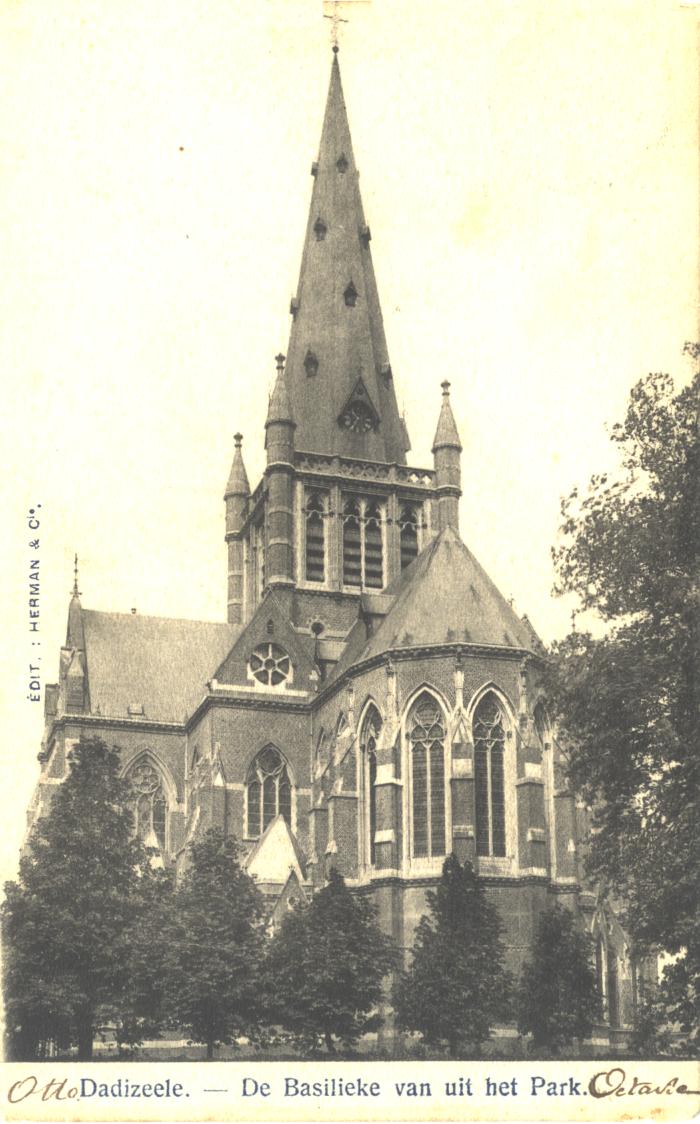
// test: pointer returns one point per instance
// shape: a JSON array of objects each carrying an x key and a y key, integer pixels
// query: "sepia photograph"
[{"x": 352, "y": 544}]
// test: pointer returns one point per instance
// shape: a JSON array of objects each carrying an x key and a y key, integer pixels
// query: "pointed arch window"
[
  {"x": 369, "y": 737},
  {"x": 426, "y": 736},
  {"x": 613, "y": 989},
  {"x": 316, "y": 513},
  {"x": 363, "y": 544},
  {"x": 150, "y": 805},
  {"x": 409, "y": 524},
  {"x": 608, "y": 980},
  {"x": 489, "y": 780},
  {"x": 268, "y": 791}
]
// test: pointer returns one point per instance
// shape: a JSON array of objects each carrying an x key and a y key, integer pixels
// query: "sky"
[{"x": 530, "y": 174}]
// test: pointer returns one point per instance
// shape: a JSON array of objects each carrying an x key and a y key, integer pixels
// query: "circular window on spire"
[{"x": 270, "y": 665}]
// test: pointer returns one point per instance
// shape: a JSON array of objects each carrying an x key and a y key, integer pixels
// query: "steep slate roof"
[
  {"x": 347, "y": 342},
  {"x": 443, "y": 597},
  {"x": 159, "y": 663}
]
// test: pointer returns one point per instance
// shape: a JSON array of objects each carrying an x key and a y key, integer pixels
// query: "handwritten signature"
[{"x": 615, "y": 1083}]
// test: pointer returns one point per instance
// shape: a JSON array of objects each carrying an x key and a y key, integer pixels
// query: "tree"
[
  {"x": 215, "y": 946},
  {"x": 325, "y": 968},
  {"x": 66, "y": 922},
  {"x": 628, "y": 701},
  {"x": 141, "y": 1012},
  {"x": 558, "y": 997},
  {"x": 456, "y": 987}
]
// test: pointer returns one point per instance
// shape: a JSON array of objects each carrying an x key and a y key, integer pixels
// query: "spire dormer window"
[
  {"x": 320, "y": 229},
  {"x": 311, "y": 364},
  {"x": 342, "y": 164},
  {"x": 350, "y": 295},
  {"x": 358, "y": 414}
]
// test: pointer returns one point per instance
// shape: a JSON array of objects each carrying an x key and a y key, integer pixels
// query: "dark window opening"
[
  {"x": 315, "y": 538},
  {"x": 368, "y": 744},
  {"x": 408, "y": 532},
  {"x": 311, "y": 364},
  {"x": 350, "y": 296}
]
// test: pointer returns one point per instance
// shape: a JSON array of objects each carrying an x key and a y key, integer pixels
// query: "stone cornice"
[
  {"x": 142, "y": 724},
  {"x": 423, "y": 651},
  {"x": 432, "y": 880}
]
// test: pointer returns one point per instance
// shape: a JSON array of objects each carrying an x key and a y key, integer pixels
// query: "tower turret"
[
  {"x": 447, "y": 449},
  {"x": 236, "y": 499},
  {"x": 279, "y": 443}
]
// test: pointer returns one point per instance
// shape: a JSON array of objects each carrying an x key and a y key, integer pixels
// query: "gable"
[{"x": 269, "y": 653}]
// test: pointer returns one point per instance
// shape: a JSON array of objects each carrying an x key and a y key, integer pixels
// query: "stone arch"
[{"x": 492, "y": 687}]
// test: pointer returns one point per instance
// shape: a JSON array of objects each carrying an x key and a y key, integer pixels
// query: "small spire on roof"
[
  {"x": 279, "y": 409},
  {"x": 238, "y": 478},
  {"x": 446, "y": 434}
]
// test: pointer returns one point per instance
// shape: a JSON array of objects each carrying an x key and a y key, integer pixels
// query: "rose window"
[{"x": 270, "y": 665}]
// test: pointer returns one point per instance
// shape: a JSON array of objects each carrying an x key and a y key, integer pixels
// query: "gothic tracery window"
[
  {"x": 268, "y": 790},
  {"x": 363, "y": 544},
  {"x": 426, "y": 736},
  {"x": 150, "y": 805},
  {"x": 369, "y": 737},
  {"x": 489, "y": 778}
]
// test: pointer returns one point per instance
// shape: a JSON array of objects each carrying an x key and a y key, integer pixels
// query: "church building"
[{"x": 371, "y": 701}]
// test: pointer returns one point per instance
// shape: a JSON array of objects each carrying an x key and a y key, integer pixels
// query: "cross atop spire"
[
  {"x": 336, "y": 18},
  {"x": 76, "y": 591}
]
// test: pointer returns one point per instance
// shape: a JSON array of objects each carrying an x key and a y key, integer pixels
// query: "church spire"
[
  {"x": 447, "y": 449},
  {"x": 446, "y": 435},
  {"x": 75, "y": 637},
  {"x": 338, "y": 375},
  {"x": 238, "y": 477}
]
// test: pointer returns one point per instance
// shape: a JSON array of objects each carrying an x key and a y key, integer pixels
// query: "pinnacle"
[{"x": 446, "y": 435}]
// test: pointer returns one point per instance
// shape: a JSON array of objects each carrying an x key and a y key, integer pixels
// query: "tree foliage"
[
  {"x": 211, "y": 977},
  {"x": 457, "y": 986},
  {"x": 67, "y": 920},
  {"x": 325, "y": 968},
  {"x": 558, "y": 998},
  {"x": 629, "y": 701}
]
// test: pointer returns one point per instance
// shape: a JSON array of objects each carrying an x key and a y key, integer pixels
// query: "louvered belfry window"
[
  {"x": 408, "y": 530},
  {"x": 426, "y": 733},
  {"x": 363, "y": 544},
  {"x": 369, "y": 737},
  {"x": 268, "y": 790},
  {"x": 316, "y": 537},
  {"x": 489, "y": 753}
]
